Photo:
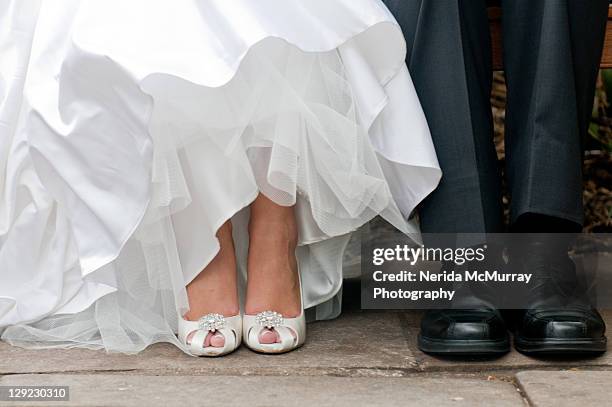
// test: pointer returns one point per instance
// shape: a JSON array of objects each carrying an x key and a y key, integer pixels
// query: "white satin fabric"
[{"x": 131, "y": 130}]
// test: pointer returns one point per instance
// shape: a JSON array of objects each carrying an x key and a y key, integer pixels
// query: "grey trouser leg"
[
  {"x": 552, "y": 50},
  {"x": 449, "y": 57}
]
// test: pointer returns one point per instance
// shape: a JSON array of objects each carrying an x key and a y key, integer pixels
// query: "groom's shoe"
[
  {"x": 471, "y": 327},
  {"x": 569, "y": 330},
  {"x": 463, "y": 332},
  {"x": 557, "y": 320}
]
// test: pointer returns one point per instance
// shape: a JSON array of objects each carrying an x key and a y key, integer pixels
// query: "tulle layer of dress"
[{"x": 130, "y": 132}]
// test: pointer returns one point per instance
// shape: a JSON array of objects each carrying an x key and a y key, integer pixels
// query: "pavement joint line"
[
  {"x": 523, "y": 392},
  {"x": 75, "y": 372},
  {"x": 409, "y": 338},
  {"x": 516, "y": 368},
  {"x": 483, "y": 376},
  {"x": 496, "y": 374},
  {"x": 351, "y": 372}
]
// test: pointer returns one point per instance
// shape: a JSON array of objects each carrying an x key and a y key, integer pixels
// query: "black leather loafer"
[
  {"x": 567, "y": 330},
  {"x": 463, "y": 332},
  {"x": 558, "y": 318}
]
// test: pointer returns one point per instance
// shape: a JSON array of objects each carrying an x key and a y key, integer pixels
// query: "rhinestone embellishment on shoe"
[
  {"x": 269, "y": 319},
  {"x": 212, "y": 322}
]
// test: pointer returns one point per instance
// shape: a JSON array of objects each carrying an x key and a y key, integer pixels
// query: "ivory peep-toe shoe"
[
  {"x": 292, "y": 331},
  {"x": 229, "y": 327}
]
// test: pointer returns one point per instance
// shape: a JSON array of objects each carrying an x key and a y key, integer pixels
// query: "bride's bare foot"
[
  {"x": 273, "y": 283},
  {"x": 214, "y": 290}
]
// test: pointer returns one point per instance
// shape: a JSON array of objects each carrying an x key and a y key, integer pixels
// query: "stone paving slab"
[
  {"x": 153, "y": 391},
  {"x": 511, "y": 361},
  {"x": 339, "y": 347},
  {"x": 566, "y": 388},
  {"x": 342, "y": 348}
]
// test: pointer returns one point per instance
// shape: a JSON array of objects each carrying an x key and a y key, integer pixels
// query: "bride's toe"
[
  {"x": 268, "y": 337},
  {"x": 213, "y": 339},
  {"x": 211, "y": 335},
  {"x": 216, "y": 340}
]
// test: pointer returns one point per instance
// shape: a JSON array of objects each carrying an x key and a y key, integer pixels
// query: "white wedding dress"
[{"x": 130, "y": 130}]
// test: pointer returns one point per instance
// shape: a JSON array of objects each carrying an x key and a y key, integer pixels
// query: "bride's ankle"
[{"x": 214, "y": 290}]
